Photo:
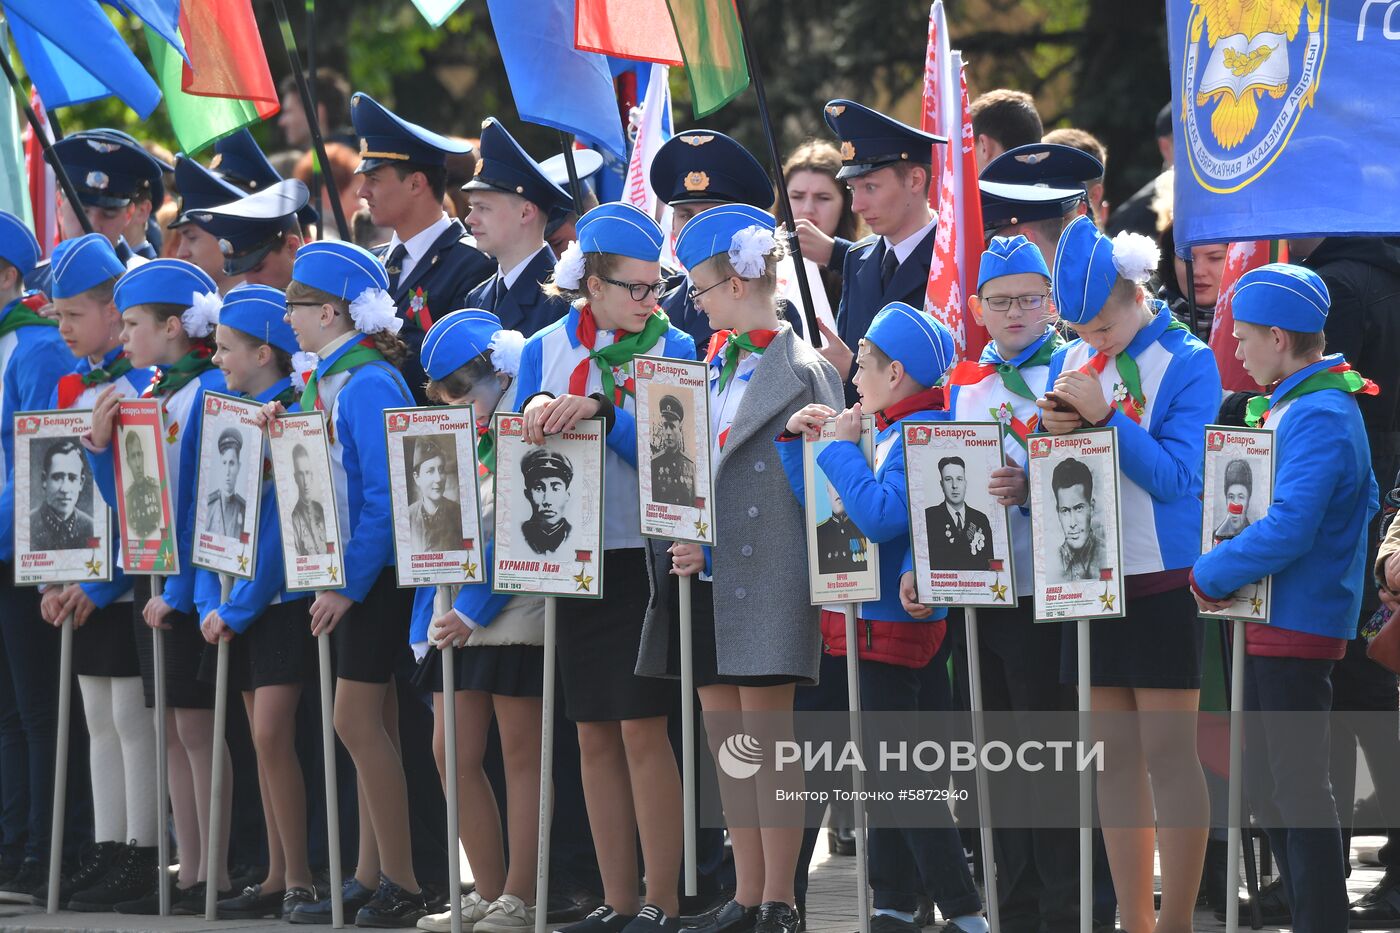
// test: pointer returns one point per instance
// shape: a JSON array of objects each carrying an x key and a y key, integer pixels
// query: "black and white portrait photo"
[
  {"x": 226, "y": 508},
  {"x": 306, "y": 508},
  {"x": 674, "y": 450},
  {"x": 63, "y": 519},
  {"x": 308, "y": 514},
  {"x": 434, "y": 515},
  {"x": 229, "y": 486},
  {"x": 433, "y": 476},
  {"x": 959, "y": 536},
  {"x": 843, "y": 564},
  {"x": 61, "y": 522},
  {"x": 1238, "y": 482},
  {"x": 547, "y": 476},
  {"x": 672, "y": 467}
]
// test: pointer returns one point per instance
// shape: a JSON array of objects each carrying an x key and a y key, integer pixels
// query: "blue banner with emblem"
[{"x": 1286, "y": 123}]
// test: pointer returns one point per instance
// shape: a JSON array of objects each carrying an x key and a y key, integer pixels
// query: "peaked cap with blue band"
[
  {"x": 914, "y": 337},
  {"x": 703, "y": 165},
  {"x": 1281, "y": 294},
  {"x": 870, "y": 140},
  {"x": 503, "y": 165},
  {"x": 388, "y": 139},
  {"x": 79, "y": 264},
  {"x": 18, "y": 245},
  {"x": 620, "y": 229},
  {"x": 163, "y": 281},
  {"x": 457, "y": 339},
  {"x": 200, "y": 189},
  {"x": 1046, "y": 164},
  {"x": 1010, "y": 255},
  {"x": 252, "y": 226},
  {"x": 712, "y": 231},
  {"x": 1084, "y": 271},
  {"x": 260, "y": 311},
  {"x": 339, "y": 268},
  {"x": 109, "y": 168}
]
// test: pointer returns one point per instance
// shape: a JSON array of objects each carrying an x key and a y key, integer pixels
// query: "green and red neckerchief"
[
  {"x": 486, "y": 447},
  {"x": 732, "y": 344},
  {"x": 933, "y": 399},
  {"x": 72, "y": 386},
  {"x": 171, "y": 379},
  {"x": 21, "y": 315},
  {"x": 1324, "y": 374},
  {"x": 358, "y": 354},
  {"x": 969, "y": 372},
  {"x": 619, "y": 353},
  {"x": 1128, "y": 396}
]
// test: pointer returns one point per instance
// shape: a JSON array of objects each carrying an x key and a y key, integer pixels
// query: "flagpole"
[
  {"x": 575, "y": 186},
  {"x": 60, "y": 768},
  {"x": 318, "y": 169},
  {"x": 70, "y": 193},
  {"x": 289, "y": 44},
  {"x": 1189, "y": 287},
  {"x": 809, "y": 308}
]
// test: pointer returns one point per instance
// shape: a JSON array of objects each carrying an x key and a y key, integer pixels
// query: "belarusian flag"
[
  {"x": 197, "y": 121},
  {"x": 1239, "y": 259},
  {"x": 635, "y": 29},
  {"x": 713, "y": 49}
]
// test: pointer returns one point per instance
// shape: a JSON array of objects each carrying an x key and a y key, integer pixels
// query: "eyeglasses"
[
  {"x": 692, "y": 294},
  {"x": 1002, "y": 303},
  {"x": 638, "y": 290},
  {"x": 302, "y": 304}
]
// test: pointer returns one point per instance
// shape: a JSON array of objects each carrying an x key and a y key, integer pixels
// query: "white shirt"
[
  {"x": 510, "y": 277},
  {"x": 904, "y": 247},
  {"x": 417, "y": 245}
]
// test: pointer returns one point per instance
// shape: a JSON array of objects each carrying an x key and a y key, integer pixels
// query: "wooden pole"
[
  {"x": 984, "y": 798},
  {"x": 857, "y": 778},
  {"x": 688, "y": 738},
  {"x": 162, "y": 766},
  {"x": 443, "y": 603},
  {"x": 551, "y": 609},
  {"x": 213, "y": 858},
  {"x": 60, "y": 767}
]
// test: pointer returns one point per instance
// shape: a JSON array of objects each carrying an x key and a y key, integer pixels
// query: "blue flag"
[
  {"x": 554, "y": 84},
  {"x": 161, "y": 16},
  {"x": 1284, "y": 124},
  {"x": 74, "y": 54}
]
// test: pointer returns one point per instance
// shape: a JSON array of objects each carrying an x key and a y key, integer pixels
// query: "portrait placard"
[
  {"x": 549, "y": 510},
  {"x": 229, "y": 491},
  {"x": 962, "y": 546},
  {"x": 673, "y": 449},
  {"x": 1239, "y": 485},
  {"x": 145, "y": 513},
  {"x": 843, "y": 565},
  {"x": 306, "y": 507},
  {"x": 1076, "y": 525},
  {"x": 437, "y": 514},
  {"x": 62, "y": 525}
]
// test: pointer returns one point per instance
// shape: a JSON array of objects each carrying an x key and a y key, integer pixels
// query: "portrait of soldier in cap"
[
  {"x": 308, "y": 515},
  {"x": 58, "y": 524},
  {"x": 672, "y": 472},
  {"x": 142, "y": 492},
  {"x": 1238, "y": 486},
  {"x": 547, "y": 475},
  {"x": 434, "y": 518},
  {"x": 226, "y": 507},
  {"x": 841, "y": 548}
]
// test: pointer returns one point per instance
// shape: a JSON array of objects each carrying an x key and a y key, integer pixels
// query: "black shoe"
[
  {"x": 189, "y": 902},
  {"x": 603, "y": 920},
  {"x": 352, "y": 894},
  {"x": 1378, "y": 908},
  {"x": 1272, "y": 902},
  {"x": 729, "y": 917},
  {"x": 652, "y": 919},
  {"x": 570, "y": 901},
  {"x": 841, "y": 841},
  {"x": 130, "y": 878},
  {"x": 252, "y": 903},
  {"x": 96, "y": 860},
  {"x": 1213, "y": 882},
  {"x": 391, "y": 907},
  {"x": 884, "y": 923},
  {"x": 294, "y": 898},
  {"x": 923, "y": 912},
  {"x": 776, "y": 917},
  {"x": 20, "y": 889}
]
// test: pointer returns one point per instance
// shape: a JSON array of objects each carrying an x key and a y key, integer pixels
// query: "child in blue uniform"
[
  {"x": 1136, "y": 369},
  {"x": 338, "y": 305},
  {"x": 581, "y": 367},
  {"x": 121, "y": 734},
  {"x": 273, "y": 654},
  {"x": 1312, "y": 541},
  {"x": 168, "y": 312}
]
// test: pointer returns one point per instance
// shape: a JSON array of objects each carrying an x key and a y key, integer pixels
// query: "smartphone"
[{"x": 1060, "y": 404}]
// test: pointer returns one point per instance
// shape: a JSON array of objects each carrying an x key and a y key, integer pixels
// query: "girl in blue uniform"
[
  {"x": 169, "y": 308},
  {"x": 273, "y": 654},
  {"x": 581, "y": 367},
  {"x": 1136, "y": 369},
  {"x": 338, "y": 305}
]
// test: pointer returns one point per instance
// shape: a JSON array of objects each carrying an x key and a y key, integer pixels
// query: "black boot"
[
  {"x": 96, "y": 860},
  {"x": 131, "y": 877}
]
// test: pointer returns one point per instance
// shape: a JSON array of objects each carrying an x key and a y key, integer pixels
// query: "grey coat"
[{"x": 765, "y": 624}]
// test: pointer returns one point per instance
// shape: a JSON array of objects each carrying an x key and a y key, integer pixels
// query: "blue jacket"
[
  {"x": 526, "y": 307},
  {"x": 1313, "y": 538},
  {"x": 877, "y": 501},
  {"x": 862, "y": 295},
  {"x": 249, "y": 598}
]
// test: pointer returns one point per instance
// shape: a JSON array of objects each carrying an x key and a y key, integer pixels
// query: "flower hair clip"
[
  {"x": 749, "y": 250},
  {"x": 505, "y": 350},
  {"x": 373, "y": 311},
  {"x": 202, "y": 315},
  {"x": 568, "y": 271},
  {"x": 1135, "y": 256}
]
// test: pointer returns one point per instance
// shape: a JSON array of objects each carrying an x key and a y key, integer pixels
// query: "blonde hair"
[{"x": 393, "y": 348}]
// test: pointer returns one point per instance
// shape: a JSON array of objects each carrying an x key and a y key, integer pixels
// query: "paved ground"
[{"x": 831, "y": 906}]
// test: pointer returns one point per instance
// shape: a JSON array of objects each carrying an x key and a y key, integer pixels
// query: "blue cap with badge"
[
  {"x": 1283, "y": 295},
  {"x": 1010, "y": 255},
  {"x": 200, "y": 189},
  {"x": 110, "y": 169},
  {"x": 622, "y": 230},
  {"x": 1047, "y": 164},
  {"x": 79, "y": 264},
  {"x": 339, "y": 268},
  {"x": 260, "y": 311},
  {"x": 388, "y": 139},
  {"x": 918, "y": 340},
  {"x": 239, "y": 160},
  {"x": 457, "y": 339},
  {"x": 503, "y": 165},
  {"x": 712, "y": 231},
  {"x": 163, "y": 281},
  {"x": 1005, "y": 205},
  {"x": 703, "y": 165},
  {"x": 253, "y": 226},
  {"x": 870, "y": 140},
  {"x": 18, "y": 245}
]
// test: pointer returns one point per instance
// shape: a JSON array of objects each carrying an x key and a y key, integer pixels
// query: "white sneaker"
[
  {"x": 474, "y": 907},
  {"x": 508, "y": 914}
]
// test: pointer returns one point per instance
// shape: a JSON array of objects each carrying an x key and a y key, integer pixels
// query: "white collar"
[
  {"x": 337, "y": 343},
  {"x": 510, "y": 277},
  {"x": 418, "y": 244},
  {"x": 904, "y": 247}
]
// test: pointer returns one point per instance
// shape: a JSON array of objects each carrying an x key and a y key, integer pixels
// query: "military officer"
[
  {"x": 841, "y": 548},
  {"x": 143, "y": 513},
  {"x": 201, "y": 189},
  {"x": 511, "y": 201},
  {"x": 672, "y": 472},
  {"x": 239, "y": 161},
  {"x": 118, "y": 183},
  {"x": 226, "y": 507},
  {"x": 259, "y": 234},
  {"x": 1036, "y": 190}
]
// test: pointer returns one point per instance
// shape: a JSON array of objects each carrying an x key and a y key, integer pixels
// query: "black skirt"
[
  {"x": 598, "y": 643},
  {"x": 105, "y": 646},
  {"x": 704, "y": 652},
  {"x": 503, "y": 670},
  {"x": 184, "y": 651},
  {"x": 371, "y": 634},
  {"x": 1157, "y": 644},
  {"x": 276, "y": 649}
]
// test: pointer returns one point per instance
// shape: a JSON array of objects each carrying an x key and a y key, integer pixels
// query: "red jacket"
[{"x": 903, "y": 644}]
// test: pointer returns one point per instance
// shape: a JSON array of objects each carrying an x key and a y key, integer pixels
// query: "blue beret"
[
  {"x": 252, "y": 226},
  {"x": 163, "y": 281},
  {"x": 914, "y": 337},
  {"x": 1010, "y": 255},
  {"x": 712, "y": 231},
  {"x": 260, "y": 312},
  {"x": 1084, "y": 271},
  {"x": 702, "y": 165},
  {"x": 503, "y": 165},
  {"x": 341, "y": 269},
  {"x": 870, "y": 140},
  {"x": 386, "y": 138},
  {"x": 109, "y": 168},
  {"x": 1005, "y": 205},
  {"x": 457, "y": 339},
  {"x": 82, "y": 263},
  {"x": 620, "y": 229},
  {"x": 200, "y": 189},
  {"x": 239, "y": 159},
  {"x": 1282, "y": 295},
  {"x": 18, "y": 246},
  {"x": 1047, "y": 164}
]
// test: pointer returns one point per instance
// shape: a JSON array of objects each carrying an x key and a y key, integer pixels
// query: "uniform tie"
[
  {"x": 888, "y": 265},
  {"x": 395, "y": 265}
]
